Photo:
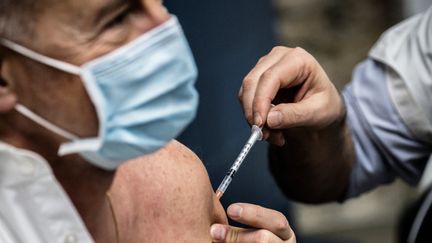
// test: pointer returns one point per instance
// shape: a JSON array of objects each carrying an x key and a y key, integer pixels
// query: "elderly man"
[{"x": 86, "y": 85}]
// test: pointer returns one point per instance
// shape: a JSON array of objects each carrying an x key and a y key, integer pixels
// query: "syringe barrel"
[
  {"x": 256, "y": 135},
  {"x": 225, "y": 183}
]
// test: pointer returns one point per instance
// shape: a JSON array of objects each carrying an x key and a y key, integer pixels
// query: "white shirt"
[
  {"x": 34, "y": 208},
  {"x": 389, "y": 107}
]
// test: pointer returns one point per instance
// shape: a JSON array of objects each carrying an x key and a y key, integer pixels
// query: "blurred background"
[
  {"x": 339, "y": 34},
  {"x": 227, "y": 38}
]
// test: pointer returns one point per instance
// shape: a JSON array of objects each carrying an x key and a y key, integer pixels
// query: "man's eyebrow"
[{"x": 109, "y": 8}]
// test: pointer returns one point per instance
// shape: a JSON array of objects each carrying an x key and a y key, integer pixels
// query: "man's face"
[{"x": 74, "y": 31}]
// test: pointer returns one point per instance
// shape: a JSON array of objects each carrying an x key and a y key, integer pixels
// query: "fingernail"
[
  {"x": 235, "y": 211},
  {"x": 274, "y": 119},
  {"x": 257, "y": 119},
  {"x": 217, "y": 232}
]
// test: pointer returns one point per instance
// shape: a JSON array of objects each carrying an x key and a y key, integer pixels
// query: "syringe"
[{"x": 256, "y": 135}]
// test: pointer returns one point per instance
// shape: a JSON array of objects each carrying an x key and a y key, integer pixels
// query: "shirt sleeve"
[{"x": 385, "y": 149}]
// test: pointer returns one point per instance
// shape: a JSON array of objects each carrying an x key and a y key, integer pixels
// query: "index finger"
[
  {"x": 288, "y": 72},
  {"x": 229, "y": 234},
  {"x": 250, "y": 82},
  {"x": 261, "y": 218}
]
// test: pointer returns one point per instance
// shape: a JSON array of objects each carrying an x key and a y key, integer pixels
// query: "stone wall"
[{"x": 338, "y": 33}]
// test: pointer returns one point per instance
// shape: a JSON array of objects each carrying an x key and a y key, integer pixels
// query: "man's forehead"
[
  {"x": 81, "y": 13},
  {"x": 90, "y": 4}
]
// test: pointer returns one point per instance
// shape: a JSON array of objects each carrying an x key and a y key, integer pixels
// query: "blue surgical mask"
[{"x": 143, "y": 93}]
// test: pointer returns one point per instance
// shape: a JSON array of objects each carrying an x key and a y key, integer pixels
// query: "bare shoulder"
[{"x": 165, "y": 196}]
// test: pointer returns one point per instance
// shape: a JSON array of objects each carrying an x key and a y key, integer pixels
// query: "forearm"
[{"x": 314, "y": 166}]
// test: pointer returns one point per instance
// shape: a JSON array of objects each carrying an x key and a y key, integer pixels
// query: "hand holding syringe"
[{"x": 256, "y": 135}]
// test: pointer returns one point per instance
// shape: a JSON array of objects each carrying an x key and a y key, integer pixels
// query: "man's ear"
[{"x": 8, "y": 100}]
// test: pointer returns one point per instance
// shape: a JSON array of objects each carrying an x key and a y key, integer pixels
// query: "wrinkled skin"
[{"x": 154, "y": 188}]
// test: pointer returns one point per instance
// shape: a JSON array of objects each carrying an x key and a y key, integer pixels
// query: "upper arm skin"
[{"x": 165, "y": 197}]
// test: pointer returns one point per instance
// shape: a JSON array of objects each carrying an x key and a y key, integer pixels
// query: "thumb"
[
  {"x": 290, "y": 115},
  {"x": 224, "y": 233}
]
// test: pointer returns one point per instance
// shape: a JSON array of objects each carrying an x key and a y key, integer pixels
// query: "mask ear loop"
[
  {"x": 66, "y": 67},
  {"x": 44, "y": 123}
]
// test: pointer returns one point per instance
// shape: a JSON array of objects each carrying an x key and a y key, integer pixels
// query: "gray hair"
[{"x": 16, "y": 18}]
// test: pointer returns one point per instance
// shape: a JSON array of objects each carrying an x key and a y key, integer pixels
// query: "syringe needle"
[{"x": 256, "y": 135}]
